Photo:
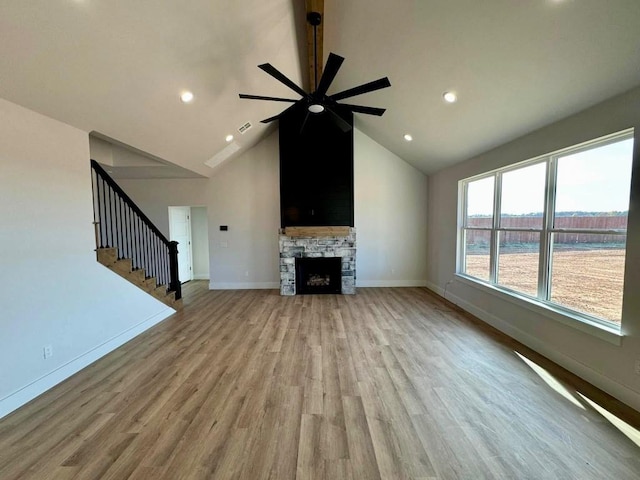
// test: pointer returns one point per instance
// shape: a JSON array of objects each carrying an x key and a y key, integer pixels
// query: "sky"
[{"x": 597, "y": 180}]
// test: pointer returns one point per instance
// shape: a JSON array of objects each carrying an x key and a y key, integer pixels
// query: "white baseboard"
[
  {"x": 391, "y": 283},
  {"x": 201, "y": 277},
  {"x": 27, "y": 393},
  {"x": 435, "y": 288},
  {"x": 243, "y": 285},
  {"x": 613, "y": 388},
  {"x": 269, "y": 285}
]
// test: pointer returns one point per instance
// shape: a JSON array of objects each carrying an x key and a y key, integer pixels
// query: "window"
[{"x": 553, "y": 229}]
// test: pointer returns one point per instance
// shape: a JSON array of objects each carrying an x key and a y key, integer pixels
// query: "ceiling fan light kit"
[{"x": 318, "y": 101}]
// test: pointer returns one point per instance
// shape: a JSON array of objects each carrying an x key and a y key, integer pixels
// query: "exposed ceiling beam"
[{"x": 315, "y": 6}]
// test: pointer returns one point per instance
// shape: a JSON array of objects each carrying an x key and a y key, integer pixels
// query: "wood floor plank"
[{"x": 392, "y": 383}]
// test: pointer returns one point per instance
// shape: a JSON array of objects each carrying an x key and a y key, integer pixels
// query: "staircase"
[{"x": 128, "y": 243}]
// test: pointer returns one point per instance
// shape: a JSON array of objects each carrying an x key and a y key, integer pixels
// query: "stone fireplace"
[{"x": 317, "y": 242}]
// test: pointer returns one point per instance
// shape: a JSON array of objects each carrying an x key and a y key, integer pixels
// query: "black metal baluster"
[
  {"x": 99, "y": 219},
  {"x": 111, "y": 240},
  {"x": 155, "y": 252},
  {"x": 169, "y": 264},
  {"x": 103, "y": 215},
  {"x": 163, "y": 248},
  {"x": 134, "y": 239},
  {"x": 157, "y": 258},
  {"x": 107, "y": 207},
  {"x": 121, "y": 228},
  {"x": 145, "y": 256},
  {"x": 114, "y": 221},
  {"x": 160, "y": 260},
  {"x": 118, "y": 230},
  {"x": 124, "y": 230},
  {"x": 149, "y": 254},
  {"x": 94, "y": 193},
  {"x": 130, "y": 235},
  {"x": 139, "y": 242},
  {"x": 118, "y": 221},
  {"x": 165, "y": 261}
]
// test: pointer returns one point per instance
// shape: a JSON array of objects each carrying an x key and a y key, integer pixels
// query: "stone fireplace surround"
[{"x": 307, "y": 244}]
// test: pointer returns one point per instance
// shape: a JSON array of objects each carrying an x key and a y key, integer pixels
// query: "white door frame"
[{"x": 183, "y": 236}]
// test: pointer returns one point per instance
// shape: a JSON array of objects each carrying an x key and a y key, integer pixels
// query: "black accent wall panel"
[{"x": 316, "y": 170}]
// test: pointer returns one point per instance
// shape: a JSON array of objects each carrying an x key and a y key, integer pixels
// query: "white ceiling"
[{"x": 117, "y": 67}]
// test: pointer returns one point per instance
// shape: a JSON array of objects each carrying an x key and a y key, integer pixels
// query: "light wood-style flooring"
[{"x": 391, "y": 383}]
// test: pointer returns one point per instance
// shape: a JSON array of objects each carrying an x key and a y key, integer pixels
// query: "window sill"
[{"x": 584, "y": 324}]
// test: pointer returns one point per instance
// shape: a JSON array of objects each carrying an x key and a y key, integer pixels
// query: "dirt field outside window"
[{"x": 589, "y": 281}]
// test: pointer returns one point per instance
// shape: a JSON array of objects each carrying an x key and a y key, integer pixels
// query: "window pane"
[
  {"x": 523, "y": 193},
  {"x": 587, "y": 273},
  {"x": 518, "y": 259},
  {"x": 593, "y": 187},
  {"x": 477, "y": 250},
  {"x": 480, "y": 203}
]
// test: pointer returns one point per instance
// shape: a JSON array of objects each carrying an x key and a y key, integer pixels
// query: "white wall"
[
  {"x": 53, "y": 290},
  {"x": 200, "y": 243},
  {"x": 607, "y": 366},
  {"x": 154, "y": 197},
  {"x": 390, "y": 217},
  {"x": 244, "y": 195}
]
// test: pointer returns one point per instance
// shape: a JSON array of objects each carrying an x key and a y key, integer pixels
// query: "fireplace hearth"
[{"x": 318, "y": 275}]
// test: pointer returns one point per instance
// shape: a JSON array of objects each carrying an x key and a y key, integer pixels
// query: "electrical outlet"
[
  {"x": 638, "y": 367},
  {"x": 47, "y": 351}
]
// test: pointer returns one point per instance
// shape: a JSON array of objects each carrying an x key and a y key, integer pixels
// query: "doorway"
[
  {"x": 180, "y": 231},
  {"x": 188, "y": 225}
]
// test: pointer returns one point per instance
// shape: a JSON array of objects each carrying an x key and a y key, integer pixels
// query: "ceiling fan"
[{"x": 318, "y": 102}]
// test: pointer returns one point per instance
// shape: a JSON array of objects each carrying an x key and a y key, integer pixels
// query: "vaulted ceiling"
[{"x": 118, "y": 67}]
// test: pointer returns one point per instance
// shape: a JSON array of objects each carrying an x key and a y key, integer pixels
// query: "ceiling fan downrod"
[{"x": 314, "y": 18}]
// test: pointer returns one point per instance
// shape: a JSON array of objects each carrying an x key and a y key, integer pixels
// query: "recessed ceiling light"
[
  {"x": 450, "y": 97},
  {"x": 186, "y": 97},
  {"x": 228, "y": 138},
  {"x": 408, "y": 137}
]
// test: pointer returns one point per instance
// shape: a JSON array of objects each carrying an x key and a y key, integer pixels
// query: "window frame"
[{"x": 546, "y": 232}]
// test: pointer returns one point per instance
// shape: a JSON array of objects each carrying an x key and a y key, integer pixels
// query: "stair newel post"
[{"x": 173, "y": 266}]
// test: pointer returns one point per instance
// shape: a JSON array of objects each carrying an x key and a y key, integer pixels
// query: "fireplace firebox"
[{"x": 318, "y": 275}]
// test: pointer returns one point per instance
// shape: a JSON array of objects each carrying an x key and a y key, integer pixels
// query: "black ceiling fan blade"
[
  {"x": 260, "y": 97},
  {"x": 364, "y": 88},
  {"x": 276, "y": 117},
  {"x": 271, "y": 119},
  {"x": 338, "y": 120},
  {"x": 330, "y": 71},
  {"x": 363, "y": 109},
  {"x": 275, "y": 73}
]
